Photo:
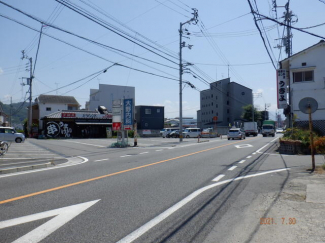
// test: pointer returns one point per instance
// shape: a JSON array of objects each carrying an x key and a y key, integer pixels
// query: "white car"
[
  {"x": 164, "y": 132},
  {"x": 9, "y": 134},
  {"x": 236, "y": 133},
  {"x": 191, "y": 132}
]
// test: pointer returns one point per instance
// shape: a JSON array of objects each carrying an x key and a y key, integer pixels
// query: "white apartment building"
[
  {"x": 306, "y": 71},
  {"x": 106, "y": 93}
]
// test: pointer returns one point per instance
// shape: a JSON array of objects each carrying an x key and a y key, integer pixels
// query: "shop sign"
[
  {"x": 85, "y": 115},
  {"x": 281, "y": 88},
  {"x": 68, "y": 115},
  {"x": 128, "y": 113},
  {"x": 116, "y": 126}
]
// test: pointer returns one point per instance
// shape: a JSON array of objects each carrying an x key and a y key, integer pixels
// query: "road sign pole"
[{"x": 311, "y": 140}]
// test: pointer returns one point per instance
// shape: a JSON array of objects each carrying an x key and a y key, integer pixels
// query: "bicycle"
[{"x": 4, "y": 146}]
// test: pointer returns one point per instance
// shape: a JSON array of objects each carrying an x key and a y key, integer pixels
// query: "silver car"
[
  {"x": 9, "y": 134},
  {"x": 236, "y": 133}
]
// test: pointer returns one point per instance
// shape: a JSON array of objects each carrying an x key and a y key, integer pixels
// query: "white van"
[
  {"x": 9, "y": 134},
  {"x": 164, "y": 132},
  {"x": 192, "y": 132}
]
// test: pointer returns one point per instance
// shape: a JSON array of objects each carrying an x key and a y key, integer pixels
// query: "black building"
[{"x": 150, "y": 120}]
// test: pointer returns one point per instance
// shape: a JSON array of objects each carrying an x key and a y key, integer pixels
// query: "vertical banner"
[
  {"x": 281, "y": 77},
  {"x": 128, "y": 114}
]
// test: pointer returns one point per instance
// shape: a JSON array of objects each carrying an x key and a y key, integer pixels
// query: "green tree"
[{"x": 247, "y": 113}]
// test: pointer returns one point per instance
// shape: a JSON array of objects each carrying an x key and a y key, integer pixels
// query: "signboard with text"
[
  {"x": 128, "y": 114},
  {"x": 281, "y": 77},
  {"x": 85, "y": 115},
  {"x": 116, "y": 126}
]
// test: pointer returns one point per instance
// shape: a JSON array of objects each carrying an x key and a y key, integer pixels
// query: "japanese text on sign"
[
  {"x": 128, "y": 112},
  {"x": 281, "y": 88}
]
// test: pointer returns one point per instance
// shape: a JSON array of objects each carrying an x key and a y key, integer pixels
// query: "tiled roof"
[{"x": 57, "y": 99}]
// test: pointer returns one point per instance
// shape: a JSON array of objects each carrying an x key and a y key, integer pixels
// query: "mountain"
[{"x": 19, "y": 111}]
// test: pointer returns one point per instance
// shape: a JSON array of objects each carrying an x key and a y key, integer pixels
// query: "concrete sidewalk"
[{"x": 292, "y": 209}]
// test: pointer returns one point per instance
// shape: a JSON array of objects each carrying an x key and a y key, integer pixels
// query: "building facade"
[
  {"x": 222, "y": 104},
  {"x": 48, "y": 104},
  {"x": 306, "y": 71},
  {"x": 3, "y": 117},
  {"x": 105, "y": 94},
  {"x": 150, "y": 120}
]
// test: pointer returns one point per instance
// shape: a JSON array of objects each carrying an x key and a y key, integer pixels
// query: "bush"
[
  {"x": 319, "y": 144},
  {"x": 299, "y": 134}
]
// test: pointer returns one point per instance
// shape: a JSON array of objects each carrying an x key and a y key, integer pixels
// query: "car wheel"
[
  {"x": 18, "y": 140},
  {"x": 228, "y": 138},
  {"x": 187, "y": 136}
]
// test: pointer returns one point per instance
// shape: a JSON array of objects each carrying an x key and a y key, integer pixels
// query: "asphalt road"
[{"x": 161, "y": 191}]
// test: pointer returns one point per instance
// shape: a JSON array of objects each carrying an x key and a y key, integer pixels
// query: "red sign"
[
  {"x": 127, "y": 127},
  {"x": 215, "y": 118},
  {"x": 116, "y": 126},
  {"x": 68, "y": 115}
]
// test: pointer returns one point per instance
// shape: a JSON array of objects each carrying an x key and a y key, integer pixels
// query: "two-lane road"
[{"x": 154, "y": 193}]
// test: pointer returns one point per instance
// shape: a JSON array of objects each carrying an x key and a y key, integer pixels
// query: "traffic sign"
[
  {"x": 215, "y": 118},
  {"x": 116, "y": 126}
]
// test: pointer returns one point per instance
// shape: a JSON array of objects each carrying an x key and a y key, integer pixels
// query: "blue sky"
[{"x": 234, "y": 40}]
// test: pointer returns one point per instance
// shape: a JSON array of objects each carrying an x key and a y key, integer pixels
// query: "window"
[
  {"x": 242, "y": 93},
  {"x": 216, "y": 97},
  {"x": 227, "y": 102},
  {"x": 158, "y": 110},
  {"x": 217, "y": 114},
  {"x": 216, "y": 105},
  {"x": 212, "y": 112},
  {"x": 48, "y": 108},
  {"x": 212, "y": 104},
  {"x": 227, "y": 111},
  {"x": 147, "y": 111},
  {"x": 305, "y": 76},
  {"x": 211, "y": 95}
]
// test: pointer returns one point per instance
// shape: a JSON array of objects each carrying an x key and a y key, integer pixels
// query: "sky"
[{"x": 224, "y": 40}]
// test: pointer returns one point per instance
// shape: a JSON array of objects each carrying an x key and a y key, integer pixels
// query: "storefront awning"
[{"x": 93, "y": 123}]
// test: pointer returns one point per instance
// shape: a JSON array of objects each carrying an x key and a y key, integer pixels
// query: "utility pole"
[
  {"x": 30, "y": 83},
  {"x": 181, "y": 45},
  {"x": 10, "y": 112},
  {"x": 255, "y": 95}
]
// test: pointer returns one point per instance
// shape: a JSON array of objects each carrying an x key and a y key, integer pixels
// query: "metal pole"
[
  {"x": 180, "y": 85},
  {"x": 30, "y": 99},
  {"x": 311, "y": 140},
  {"x": 10, "y": 111}
]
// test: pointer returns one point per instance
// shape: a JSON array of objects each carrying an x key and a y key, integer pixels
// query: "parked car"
[
  {"x": 236, "y": 133},
  {"x": 191, "y": 132},
  {"x": 208, "y": 133},
  {"x": 164, "y": 132},
  {"x": 173, "y": 134},
  {"x": 9, "y": 134}
]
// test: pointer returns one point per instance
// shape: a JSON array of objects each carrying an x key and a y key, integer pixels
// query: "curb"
[{"x": 24, "y": 168}]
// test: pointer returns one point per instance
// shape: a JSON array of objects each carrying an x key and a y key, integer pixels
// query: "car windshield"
[
  {"x": 267, "y": 127},
  {"x": 233, "y": 131}
]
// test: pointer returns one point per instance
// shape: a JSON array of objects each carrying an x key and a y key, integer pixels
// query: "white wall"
[
  {"x": 107, "y": 93},
  {"x": 54, "y": 108},
  {"x": 316, "y": 89}
]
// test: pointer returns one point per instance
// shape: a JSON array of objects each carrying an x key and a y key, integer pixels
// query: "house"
[
  {"x": 306, "y": 72},
  {"x": 48, "y": 104},
  {"x": 105, "y": 94},
  {"x": 222, "y": 104}
]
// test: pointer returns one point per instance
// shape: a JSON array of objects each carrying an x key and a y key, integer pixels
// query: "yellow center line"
[{"x": 108, "y": 175}]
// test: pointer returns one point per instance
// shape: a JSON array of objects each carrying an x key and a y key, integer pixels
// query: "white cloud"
[
  {"x": 1, "y": 71},
  {"x": 259, "y": 90}
]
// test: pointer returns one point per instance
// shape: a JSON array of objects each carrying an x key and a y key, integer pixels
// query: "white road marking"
[
  {"x": 170, "y": 148},
  {"x": 244, "y": 146},
  {"x": 242, "y": 161},
  {"x": 274, "y": 140},
  {"x": 144, "y": 153},
  {"x": 10, "y": 154},
  {"x": 146, "y": 227},
  {"x": 100, "y": 160},
  {"x": 254, "y": 153},
  {"x": 123, "y": 156},
  {"x": 218, "y": 178},
  {"x": 259, "y": 151},
  {"x": 67, "y": 164},
  {"x": 95, "y": 145},
  {"x": 33, "y": 158},
  {"x": 232, "y": 167},
  {"x": 159, "y": 150},
  {"x": 248, "y": 157},
  {"x": 62, "y": 216}
]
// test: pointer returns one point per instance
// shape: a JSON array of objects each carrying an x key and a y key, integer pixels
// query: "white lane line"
[
  {"x": 254, "y": 153},
  {"x": 248, "y": 157},
  {"x": 170, "y": 148},
  {"x": 100, "y": 160},
  {"x": 15, "y": 154},
  {"x": 95, "y": 145},
  {"x": 218, "y": 178},
  {"x": 125, "y": 156},
  {"x": 274, "y": 140},
  {"x": 70, "y": 162},
  {"x": 259, "y": 151},
  {"x": 144, "y": 153},
  {"x": 242, "y": 161},
  {"x": 146, "y": 227},
  {"x": 159, "y": 150},
  {"x": 232, "y": 167}
]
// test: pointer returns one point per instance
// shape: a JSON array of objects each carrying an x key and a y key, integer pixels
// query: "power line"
[
  {"x": 172, "y": 9},
  {"x": 243, "y": 64}
]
